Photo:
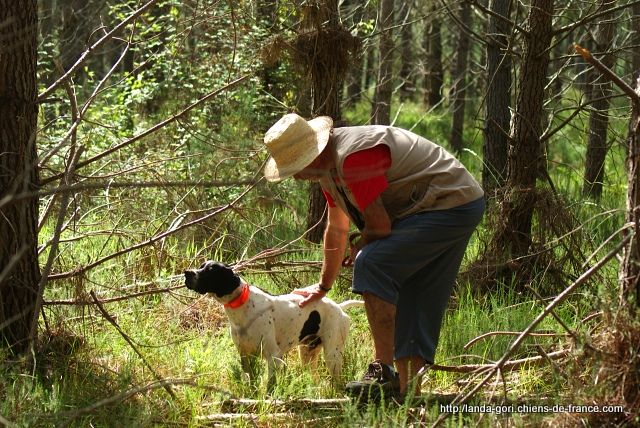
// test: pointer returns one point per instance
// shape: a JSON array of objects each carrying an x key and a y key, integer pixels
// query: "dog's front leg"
[
  {"x": 274, "y": 363},
  {"x": 249, "y": 369}
]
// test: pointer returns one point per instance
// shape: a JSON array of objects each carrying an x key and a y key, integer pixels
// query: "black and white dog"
[{"x": 269, "y": 326}]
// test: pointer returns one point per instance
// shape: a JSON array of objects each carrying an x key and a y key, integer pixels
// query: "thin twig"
[
  {"x": 507, "y": 366},
  {"x": 85, "y": 54},
  {"x": 53, "y": 250},
  {"x": 154, "y": 128},
  {"x": 78, "y": 116},
  {"x": 162, "y": 383},
  {"x": 113, "y": 322},
  {"x": 110, "y": 299},
  {"x": 509, "y": 333},
  {"x": 104, "y": 185},
  {"x": 609, "y": 74},
  {"x": 150, "y": 241}
]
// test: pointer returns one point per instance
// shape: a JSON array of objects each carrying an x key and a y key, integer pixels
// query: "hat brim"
[{"x": 274, "y": 172}]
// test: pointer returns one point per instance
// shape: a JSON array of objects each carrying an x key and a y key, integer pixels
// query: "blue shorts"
[{"x": 415, "y": 269}]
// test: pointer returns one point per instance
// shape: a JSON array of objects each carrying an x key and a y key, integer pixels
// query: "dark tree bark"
[
  {"x": 267, "y": 18},
  {"x": 381, "y": 108},
  {"x": 355, "y": 76},
  {"x": 433, "y": 73},
  {"x": 497, "y": 113},
  {"x": 325, "y": 47},
  {"x": 635, "y": 41},
  {"x": 368, "y": 70},
  {"x": 407, "y": 51},
  {"x": 19, "y": 270},
  {"x": 600, "y": 90},
  {"x": 458, "y": 87},
  {"x": 525, "y": 150},
  {"x": 630, "y": 267}
]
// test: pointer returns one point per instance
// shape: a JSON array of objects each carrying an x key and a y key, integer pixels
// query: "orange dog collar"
[{"x": 240, "y": 300}]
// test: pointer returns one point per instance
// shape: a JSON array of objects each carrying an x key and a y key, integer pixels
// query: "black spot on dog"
[{"x": 309, "y": 333}]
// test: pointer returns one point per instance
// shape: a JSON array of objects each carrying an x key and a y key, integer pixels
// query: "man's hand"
[{"x": 310, "y": 294}]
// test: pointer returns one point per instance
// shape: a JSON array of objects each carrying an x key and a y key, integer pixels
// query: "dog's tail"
[{"x": 350, "y": 304}]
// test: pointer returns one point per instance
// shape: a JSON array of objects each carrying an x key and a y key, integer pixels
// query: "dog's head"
[{"x": 212, "y": 277}]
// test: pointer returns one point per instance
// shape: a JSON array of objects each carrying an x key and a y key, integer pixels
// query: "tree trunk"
[
  {"x": 407, "y": 52},
  {"x": 458, "y": 87},
  {"x": 381, "y": 109},
  {"x": 267, "y": 19},
  {"x": 630, "y": 267},
  {"x": 635, "y": 41},
  {"x": 497, "y": 113},
  {"x": 356, "y": 72},
  {"x": 597, "y": 146},
  {"x": 525, "y": 151},
  {"x": 325, "y": 47},
  {"x": 19, "y": 270},
  {"x": 433, "y": 74}
]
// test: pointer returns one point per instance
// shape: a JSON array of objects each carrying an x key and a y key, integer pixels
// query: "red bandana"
[{"x": 240, "y": 300}]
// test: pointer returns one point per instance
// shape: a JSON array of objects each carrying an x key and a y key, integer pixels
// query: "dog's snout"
[{"x": 189, "y": 277}]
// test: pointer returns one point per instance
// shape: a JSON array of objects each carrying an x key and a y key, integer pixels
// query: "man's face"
[{"x": 312, "y": 172}]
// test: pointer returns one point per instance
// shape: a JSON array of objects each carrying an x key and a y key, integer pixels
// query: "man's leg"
[
  {"x": 408, "y": 368},
  {"x": 382, "y": 318},
  {"x": 382, "y": 322}
]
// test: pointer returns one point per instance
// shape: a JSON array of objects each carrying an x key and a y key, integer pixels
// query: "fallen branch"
[
  {"x": 6, "y": 423},
  {"x": 161, "y": 383},
  {"x": 113, "y": 322},
  {"x": 248, "y": 417},
  {"x": 510, "y": 333},
  {"x": 248, "y": 405},
  {"x": 507, "y": 366}
]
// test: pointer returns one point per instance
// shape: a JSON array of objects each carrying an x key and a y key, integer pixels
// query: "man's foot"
[{"x": 379, "y": 382}]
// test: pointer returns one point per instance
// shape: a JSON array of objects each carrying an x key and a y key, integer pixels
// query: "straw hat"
[{"x": 294, "y": 143}]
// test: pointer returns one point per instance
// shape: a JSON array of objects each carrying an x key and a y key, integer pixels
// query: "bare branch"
[
  {"x": 149, "y": 241},
  {"x": 509, "y": 333},
  {"x": 93, "y": 47},
  {"x": 595, "y": 15},
  {"x": 609, "y": 74},
  {"x": 121, "y": 185},
  {"x": 152, "y": 129},
  {"x": 76, "y": 302},
  {"x": 113, "y": 322}
]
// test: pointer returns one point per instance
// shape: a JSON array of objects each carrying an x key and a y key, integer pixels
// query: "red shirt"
[{"x": 365, "y": 175}]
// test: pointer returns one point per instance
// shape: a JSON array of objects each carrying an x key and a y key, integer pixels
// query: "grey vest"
[{"x": 422, "y": 177}]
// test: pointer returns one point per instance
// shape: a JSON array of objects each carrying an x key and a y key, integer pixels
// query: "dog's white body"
[{"x": 270, "y": 326}]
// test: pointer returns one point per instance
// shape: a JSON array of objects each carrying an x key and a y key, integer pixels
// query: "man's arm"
[
  {"x": 377, "y": 224},
  {"x": 334, "y": 245}
]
